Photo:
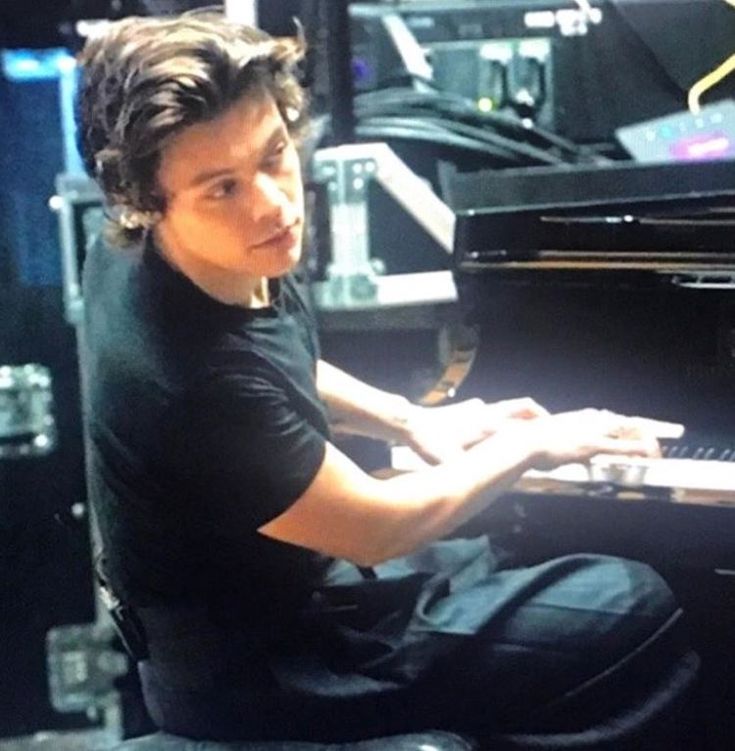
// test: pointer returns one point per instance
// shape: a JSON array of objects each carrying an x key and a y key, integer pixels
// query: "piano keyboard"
[
  {"x": 692, "y": 473},
  {"x": 633, "y": 472}
]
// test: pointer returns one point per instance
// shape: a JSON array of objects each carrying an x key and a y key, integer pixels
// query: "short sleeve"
[{"x": 244, "y": 451}]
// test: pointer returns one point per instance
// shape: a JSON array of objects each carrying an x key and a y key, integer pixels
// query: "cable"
[
  {"x": 402, "y": 101},
  {"x": 486, "y": 126},
  {"x": 478, "y": 121},
  {"x": 711, "y": 79},
  {"x": 435, "y": 138},
  {"x": 427, "y": 130},
  {"x": 468, "y": 134}
]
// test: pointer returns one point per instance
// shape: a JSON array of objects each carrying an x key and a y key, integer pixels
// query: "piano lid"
[{"x": 666, "y": 218}]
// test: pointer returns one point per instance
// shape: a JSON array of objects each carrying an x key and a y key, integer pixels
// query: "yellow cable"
[{"x": 711, "y": 79}]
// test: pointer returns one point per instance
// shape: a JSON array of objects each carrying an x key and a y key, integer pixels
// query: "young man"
[{"x": 283, "y": 592}]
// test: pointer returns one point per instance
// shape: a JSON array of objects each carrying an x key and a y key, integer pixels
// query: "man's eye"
[
  {"x": 224, "y": 189},
  {"x": 275, "y": 157}
]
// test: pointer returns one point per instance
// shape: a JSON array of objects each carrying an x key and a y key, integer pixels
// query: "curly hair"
[{"x": 146, "y": 79}]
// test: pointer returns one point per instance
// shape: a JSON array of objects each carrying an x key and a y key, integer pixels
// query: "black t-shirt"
[{"x": 204, "y": 423}]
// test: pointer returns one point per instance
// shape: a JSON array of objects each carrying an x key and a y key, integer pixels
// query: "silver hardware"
[
  {"x": 78, "y": 206},
  {"x": 82, "y": 668},
  {"x": 722, "y": 280},
  {"x": 354, "y": 278},
  {"x": 27, "y": 425},
  {"x": 569, "y": 21}
]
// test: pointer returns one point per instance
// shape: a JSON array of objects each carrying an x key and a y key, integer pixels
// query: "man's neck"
[{"x": 221, "y": 284}]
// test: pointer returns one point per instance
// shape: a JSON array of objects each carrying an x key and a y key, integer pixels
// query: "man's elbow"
[
  {"x": 386, "y": 549},
  {"x": 368, "y": 559}
]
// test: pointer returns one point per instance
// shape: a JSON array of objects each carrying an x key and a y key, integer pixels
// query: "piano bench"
[{"x": 431, "y": 740}]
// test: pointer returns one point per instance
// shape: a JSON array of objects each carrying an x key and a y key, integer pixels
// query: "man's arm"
[
  {"x": 355, "y": 407},
  {"x": 347, "y": 513},
  {"x": 435, "y": 433}
]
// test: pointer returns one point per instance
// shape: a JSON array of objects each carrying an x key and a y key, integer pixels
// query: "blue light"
[{"x": 35, "y": 65}]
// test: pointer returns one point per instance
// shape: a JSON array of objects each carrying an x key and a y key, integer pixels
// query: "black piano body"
[{"x": 610, "y": 286}]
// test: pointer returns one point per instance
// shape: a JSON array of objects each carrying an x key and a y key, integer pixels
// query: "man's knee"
[
  {"x": 583, "y": 615},
  {"x": 590, "y": 627}
]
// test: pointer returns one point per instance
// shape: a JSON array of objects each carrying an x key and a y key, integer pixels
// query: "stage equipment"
[
  {"x": 82, "y": 668},
  {"x": 580, "y": 74},
  {"x": 354, "y": 278},
  {"x": 78, "y": 205},
  {"x": 27, "y": 425},
  {"x": 683, "y": 137}
]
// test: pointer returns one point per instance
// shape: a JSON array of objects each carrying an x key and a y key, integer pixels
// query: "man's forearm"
[{"x": 356, "y": 407}]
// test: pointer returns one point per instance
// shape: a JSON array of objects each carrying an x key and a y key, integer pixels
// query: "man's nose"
[{"x": 271, "y": 201}]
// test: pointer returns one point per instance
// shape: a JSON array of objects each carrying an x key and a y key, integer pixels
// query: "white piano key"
[
  {"x": 628, "y": 471},
  {"x": 687, "y": 474}
]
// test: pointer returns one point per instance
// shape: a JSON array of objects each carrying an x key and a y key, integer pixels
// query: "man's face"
[{"x": 233, "y": 191}]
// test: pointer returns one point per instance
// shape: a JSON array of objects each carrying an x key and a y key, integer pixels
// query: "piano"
[{"x": 612, "y": 286}]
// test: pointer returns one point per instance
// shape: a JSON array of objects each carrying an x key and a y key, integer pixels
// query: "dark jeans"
[{"x": 581, "y": 652}]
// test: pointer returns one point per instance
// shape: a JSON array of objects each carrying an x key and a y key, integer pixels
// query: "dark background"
[{"x": 45, "y": 567}]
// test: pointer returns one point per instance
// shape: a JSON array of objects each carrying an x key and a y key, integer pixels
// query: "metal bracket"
[
  {"x": 354, "y": 278},
  {"x": 716, "y": 280},
  {"x": 82, "y": 668},
  {"x": 27, "y": 423},
  {"x": 351, "y": 275},
  {"x": 78, "y": 205},
  {"x": 571, "y": 22}
]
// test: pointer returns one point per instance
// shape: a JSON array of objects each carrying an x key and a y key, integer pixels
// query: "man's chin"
[{"x": 286, "y": 263}]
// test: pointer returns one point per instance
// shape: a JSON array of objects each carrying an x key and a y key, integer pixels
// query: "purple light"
[{"x": 701, "y": 147}]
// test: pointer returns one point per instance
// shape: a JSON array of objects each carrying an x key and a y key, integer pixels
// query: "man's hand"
[
  {"x": 578, "y": 436},
  {"x": 438, "y": 433}
]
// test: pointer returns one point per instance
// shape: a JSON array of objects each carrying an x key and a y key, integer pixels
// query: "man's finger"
[{"x": 659, "y": 428}]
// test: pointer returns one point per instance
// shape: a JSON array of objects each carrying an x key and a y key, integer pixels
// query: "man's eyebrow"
[
  {"x": 200, "y": 178},
  {"x": 204, "y": 177},
  {"x": 278, "y": 134}
]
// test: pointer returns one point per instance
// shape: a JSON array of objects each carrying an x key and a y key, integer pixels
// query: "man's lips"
[{"x": 280, "y": 235}]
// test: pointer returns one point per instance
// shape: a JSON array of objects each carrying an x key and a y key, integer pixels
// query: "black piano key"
[
  {"x": 699, "y": 449},
  {"x": 670, "y": 452}
]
